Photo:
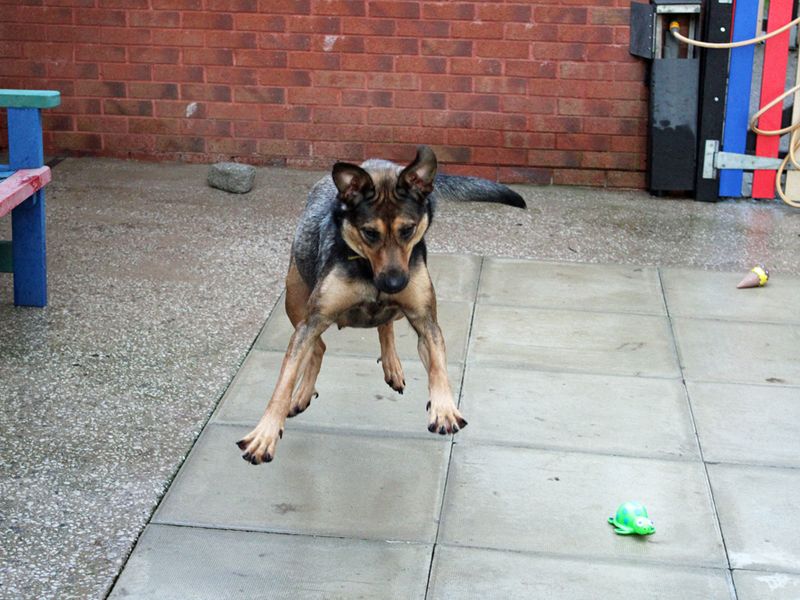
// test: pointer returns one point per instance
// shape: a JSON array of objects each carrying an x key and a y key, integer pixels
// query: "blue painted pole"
[
  {"x": 28, "y": 251},
  {"x": 737, "y": 104}
]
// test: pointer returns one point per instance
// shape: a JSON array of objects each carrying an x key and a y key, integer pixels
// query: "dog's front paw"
[
  {"x": 393, "y": 373},
  {"x": 445, "y": 419},
  {"x": 259, "y": 445}
]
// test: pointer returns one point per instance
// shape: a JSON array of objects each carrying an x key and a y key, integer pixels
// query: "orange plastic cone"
[{"x": 757, "y": 277}]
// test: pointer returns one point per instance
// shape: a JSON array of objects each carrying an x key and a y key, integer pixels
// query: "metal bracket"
[
  {"x": 709, "y": 172},
  {"x": 713, "y": 159}
]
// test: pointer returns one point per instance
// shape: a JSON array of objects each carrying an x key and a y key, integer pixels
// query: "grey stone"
[
  {"x": 755, "y": 424},
  {"x": 757, "y": 585},
  {"x": 176, "y": 563},
  {"x": 738, "y": 352},
  {"x": 757, "y": 510},
  {"x": 232, "y": 177},
  {"x": 559, "y": 503},
  {"x": 468, "y": 573},
  {"x": 338, "y": 485},
  {"x": 635, "y": 416},
  {"x": 567, "y": 340}
]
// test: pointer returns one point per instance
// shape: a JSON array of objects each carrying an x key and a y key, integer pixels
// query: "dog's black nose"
[{"x": 392, "y": 281}]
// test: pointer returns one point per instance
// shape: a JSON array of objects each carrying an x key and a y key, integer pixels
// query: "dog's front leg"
[
  {"x": 443, "y": 416},
  {"x": 259, "y": 445}
]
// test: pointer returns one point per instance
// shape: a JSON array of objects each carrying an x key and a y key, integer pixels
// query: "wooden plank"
[
  {"x": 20, "y": 186},
  {"x": 773, "y": 80},
  {"x": 737, "y": 102},
  {"x": 29, "y": 98}
]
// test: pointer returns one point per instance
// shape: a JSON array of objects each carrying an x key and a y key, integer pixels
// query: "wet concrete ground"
[{"x": 159, "y": 286}]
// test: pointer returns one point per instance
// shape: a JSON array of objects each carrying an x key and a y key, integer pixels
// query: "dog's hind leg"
[{"x": 392, "y": 369}]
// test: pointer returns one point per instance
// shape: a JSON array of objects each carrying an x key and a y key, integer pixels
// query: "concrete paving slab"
[
  {"x": 206, "y": 564},
  {"x": 634, "y": 416},
  {"x": 733, "y": 352},
  {"x": 365, "y": 402},
  {"x": 707, "y": 294},
  {"x": 604, "y": 288},
  {"x": 467, "y": 573},
  {"x": 454, "y": 320},
  {"x": 757, "y": 509},
  {"x": 555, "y": 502},
  {"x": 757, "y": 585},
  {"x": 340, "y": 485},
  {"x": 455, "y": 276},
  {"x": 565, "y": 340},
  {"x": 747, "y": 423}
]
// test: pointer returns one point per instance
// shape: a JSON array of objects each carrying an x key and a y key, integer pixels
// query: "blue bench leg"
[
  {"x": 28, "y": 220},
  {"x": 28, "y": 252}
]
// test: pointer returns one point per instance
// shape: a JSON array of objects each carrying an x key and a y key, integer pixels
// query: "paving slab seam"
[
  {"x": 593, "y": 558},
  {"x": 176, "y": 471},
  {"x": 512, "y": 364},
  {"x": 450, "y": 453},
  {"x": 731, "y": 583},
  {"x": 423, "y": 435},
  {"x": 766, "y": 570},
  {"x": 547, "y": 307},
  {"x": 748, "y": 383}
]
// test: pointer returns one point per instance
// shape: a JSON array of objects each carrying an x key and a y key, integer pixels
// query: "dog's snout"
[{"x": 392, "y": 281}]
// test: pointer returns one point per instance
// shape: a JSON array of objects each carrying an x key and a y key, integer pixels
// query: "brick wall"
[{"x": 538, "y": 91}]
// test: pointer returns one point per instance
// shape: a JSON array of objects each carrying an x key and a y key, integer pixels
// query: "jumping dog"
[{"x": 358, "y": 259}]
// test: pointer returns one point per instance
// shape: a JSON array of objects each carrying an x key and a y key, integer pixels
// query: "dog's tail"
[{"x": 474, "y": 189}]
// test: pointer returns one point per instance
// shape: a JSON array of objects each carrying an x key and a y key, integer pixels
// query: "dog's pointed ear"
[
  {"x": 419, "y": 175},
  {"x": 352, "y": 181}
]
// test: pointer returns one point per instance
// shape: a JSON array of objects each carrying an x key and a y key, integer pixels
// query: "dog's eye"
[
  {"x": 407, "y": 232},
  {"x": 370, "y": 235}
]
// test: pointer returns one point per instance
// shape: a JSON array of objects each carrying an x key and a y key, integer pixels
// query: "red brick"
[
  {"x": 54, "y": 122},
  {"x": 100, "y": 16},
  {"x": 419, "y": 100},
  {"x": 559, "y": 14},
  {"x": 446, "y": 47},
  {"x": 150, "y": 55},
  {"x": 579, "y": 177},
  {"x": 180, "y": 144},
  {"x": 208, "y": 56},
  {"x": 22, "y": 68},
  {"x": 77, "y": 142},
  {"x": 392, "y": 81},
  {"x": 418, "y": 135},
  {"x": 445, "y": 83},
  {"x": 178, "y": 37},
  {"x": 629, "y": 72},
  {"x": 499, "y": 156},
  {"x": 367, "y": 62},
  {"x": 98, "y": 124},
  {"x": 154, "y": 126},
  {"x": 143, "y": 108},
  {"x": 160, "y": 91},
  {"x": 232, "y": 146},
  {"x": 260, "y": 58},
  {"x": 421, "y": 64},
  {"x": 128, "y": 145},
  {"x": 313, "y": 96},
  {"x": 79, "y": 106},
  {"x": 286, "y": 77},
  {"x": 507, "y": 13},
  {"x": 586, "y": 34},
  {"x": 73, "y": 70},
  {"x": 459, "y": 154},
  {"x": 531, "y": 32},
  {"x": 609, "y": 16},
  {"x": 626, "y": 179},
  {"x": 525, "y": 175},
  {"x": 578, "y": 141},
  {"x": 286, "y": 114},
  {"x": 394, "y": 8},
  {"x": 352, "y": 8},
  {"x": 251, "y": 22},
  {"x": 202, "y": 91},
  {"x": 232, "y": 5},
  {"x": 501, "y": 85},
  {"x": 447, "y": 118},
  {"x": 313, "y": 60},
  {"x": 393, "y": 116},
  {"x": 207, "y": 20},
  {"x": 205, "y": 127},
  {"x": 151, "y": 18},
  {"x": 531, "y": 68},
  {"x": 286, "y": 41},
  {"x": 338, "y": 79},
  {"x": 621, "y": 90},
  {"x": 367, "y": 98},
  {"x": 597, "y": 71},
  {"x": 601, "y": 52},
  {"x": 260, "y": 95},
  {"x": 558, "y": 51},
  {"x": 474, "y": 137},
  {"x": 450, "y": 11},
  {"x": 338, "y": 114},
  {"x": 289, "y": 7},
  {"x": 177, "y": 73},
  {"x": 230, "y": 39},
  {"x": 401, "y": 153},
  {"x": 235, "y": 76},
  {"x": 337, "y": 43},
  {"x": 283, "y": 148},
  {"x": 335, "y": 151},
  {"x": 485, "y": 171},
  {"x": 369, "y": 27},
  {"x": 422, "y": 29},
  {"x": 36, "y": 14},
  {"x": 223, "y": 110},
  {"x": 391, "y": 45},
  {"x": 553, "y": 158},
  {"x": 502, "y": 49},
  {"x": 178, "y": 109},
  {"x": 528, "y": 139},
  {"x": 125, "y": 72},
  {"x": 100, "y": 53},
  {"x": 259, "y": 129},
  {"x": 474, "y": 102},
  {"x": 112, "y": 89},
  {"x": 614, "y": 126},
  {"x": 477, "y": 30},
  {"x": 612, "y": 160},
  {"x": 529, "y": 104},
  {"x": 555, "y": 123},
  {"x": 309, "y": 24},
  {"x": 476, "y": 66},
  {"x": 502, "y": 121}
]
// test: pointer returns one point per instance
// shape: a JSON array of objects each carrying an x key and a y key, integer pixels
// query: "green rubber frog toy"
[{"x": 632, "y": 519}]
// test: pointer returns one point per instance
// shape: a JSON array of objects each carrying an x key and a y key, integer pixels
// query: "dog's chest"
[{"x": 369, "y": 314}]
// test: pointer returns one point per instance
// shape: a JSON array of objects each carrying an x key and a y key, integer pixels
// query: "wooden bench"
[{"x": 22, "y": 195}]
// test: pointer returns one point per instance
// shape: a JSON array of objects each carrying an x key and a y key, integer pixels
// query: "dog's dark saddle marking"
[{"x": 369, "y": 314}]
